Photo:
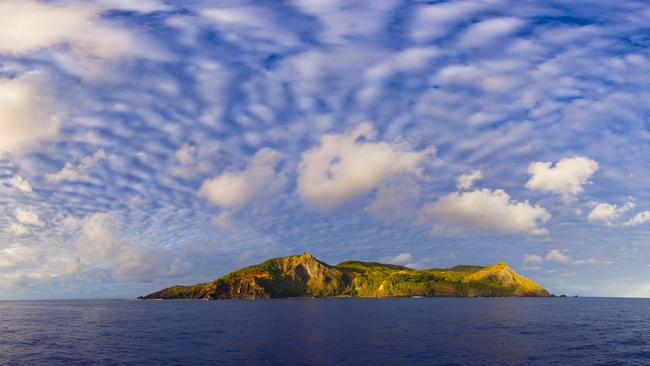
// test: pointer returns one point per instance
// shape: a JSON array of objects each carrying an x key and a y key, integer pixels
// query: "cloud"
[
  {"x": 143, "y": 6},
  {"x": 234, "y": 189},
  {"x": 396, "y": 201},
  {"x": 100, "y": 237},
  {"x": 566, "y": 178},
  {"x": 194, "y": 159},
  {"x": 342, "y": 20},
  {"x": 533, "y": 258},
  {"x": 606, "y": 212},
  {"x": 185, "y": 154},
  {"x": 28, "y": 114},
  {"x": 223, "y": 220},
  {"x": 344, "y": 166},
  {"x": 25, "y": 266},
  {"x": 400, "y": 259},
  {"x": 27, "y": 216},
  {"x": 70, "y": 172},
  {"x": 466, "y": 181},
  {"x": 436, "y": 20},
  {"x": 249, "y": 26},
  {"x": 487, "y": 77},
  {"x": 17, "y": 229},
  {"x": 487, "y": 31},
  {"x": 580, "y": 262},
  {"x": 638, "y": 219},
  {"x": 557, "y": 256},
  {"x": 101, "y": 244},
  {"x": 408, "y": 60},
  {"x": 21, "y": 184},
  {"x": 483, "y": 210},
  {"x": 30, "y": 25}
]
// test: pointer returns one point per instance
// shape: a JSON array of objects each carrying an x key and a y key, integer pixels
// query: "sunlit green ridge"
[{"x": 305, "y": 276}]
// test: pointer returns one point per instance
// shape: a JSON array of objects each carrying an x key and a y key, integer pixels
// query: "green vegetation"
[{"x": 304, "y": 275}]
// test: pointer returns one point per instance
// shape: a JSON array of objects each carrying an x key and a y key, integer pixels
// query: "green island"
[{"x": 305, "y": 276}]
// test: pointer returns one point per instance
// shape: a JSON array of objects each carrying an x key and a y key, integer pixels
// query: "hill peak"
[{"x": 499, "y": 265}]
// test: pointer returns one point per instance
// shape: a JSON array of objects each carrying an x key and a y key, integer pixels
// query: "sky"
[{"x": 149, "y": 143}]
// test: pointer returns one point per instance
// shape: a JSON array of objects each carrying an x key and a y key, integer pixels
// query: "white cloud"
[
  {"x": 185, "y": 154},
  {"x": 101, "y": 244},
  {"x": 409, "y": 60},
  {"x": 17, "y": 229},
  {"x": 607, "y": 212},
  {"x": 395, "y": 201},
  {"x": 194, "y": 159},
  {"x": 591, "y": 261},
  {"x": 488, "y": 77},
  {"x": 533, "y": 258},
  {"x": 436, "y": 20},
  {"x": 27, "y": 112},
  {"x": 30, "y": 25},
  {"x": 486, "y": 31},
  {"x": 21, "y": 184},
  {"x": 466, "y": 181},
  {"x": 342, "y": 19},
  {"x": 566, "y": 178},
  {"x": 29, "y": 266},
  {"x": 252, "y": 25},
  {"x": 27, "y": 216},
  {"x": 100, "y": 237},
  {"x": 223, "y": 220},
  {"x": 400, "y": 259},
  {"x": 639, "y": 219},
  {"x": 483, "y": 210},
  {"x": 343, "y": 166},
  {"x": 232, "y": 190},
  {"x": 143, "y": 6},
  {"x": 70, "y": 172},
  {"x": 557, "y": 256}
]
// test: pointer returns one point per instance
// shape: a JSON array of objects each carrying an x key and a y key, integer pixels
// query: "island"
[{"x": 305, "y": 276}]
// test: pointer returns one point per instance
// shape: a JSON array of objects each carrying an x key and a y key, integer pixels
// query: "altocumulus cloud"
[
  {"x": 79, "y": 172},
  {"x": 31, "y": 25},
  {"x": 231, "y": 190},
  {"x": 484, "y": 210},
  {"x": 101, "y": 244},
  {"x": 606, "y": 212},
  {"x": 638, "y": 219},
  {"x": 466, "y": 181},
  {"x": 566, "y": 178},
  {"x": 28, "y": 113},
  {"x": 21, "y": 184},
  {"x": 344, "y": 166}
]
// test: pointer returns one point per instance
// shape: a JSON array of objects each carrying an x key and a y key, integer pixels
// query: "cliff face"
[{"x": 304, "y": 275}]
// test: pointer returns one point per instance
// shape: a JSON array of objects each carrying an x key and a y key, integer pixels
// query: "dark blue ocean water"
[{"x": 401, "y": 331}]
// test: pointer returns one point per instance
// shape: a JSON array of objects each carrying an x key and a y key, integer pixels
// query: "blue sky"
[{"x": 148, "y": 143}]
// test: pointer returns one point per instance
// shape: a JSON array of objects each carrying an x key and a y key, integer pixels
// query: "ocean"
[{"x": 392, "y": 331}]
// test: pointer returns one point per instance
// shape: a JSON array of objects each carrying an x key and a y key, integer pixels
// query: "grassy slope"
[{"x": 304, "y": 275}]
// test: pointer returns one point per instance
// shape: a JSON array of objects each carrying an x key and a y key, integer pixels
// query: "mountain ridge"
[{"x": 304, "y": 275}]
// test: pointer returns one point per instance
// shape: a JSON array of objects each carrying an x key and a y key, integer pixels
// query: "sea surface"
[{"x": 397, "y": 331}]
